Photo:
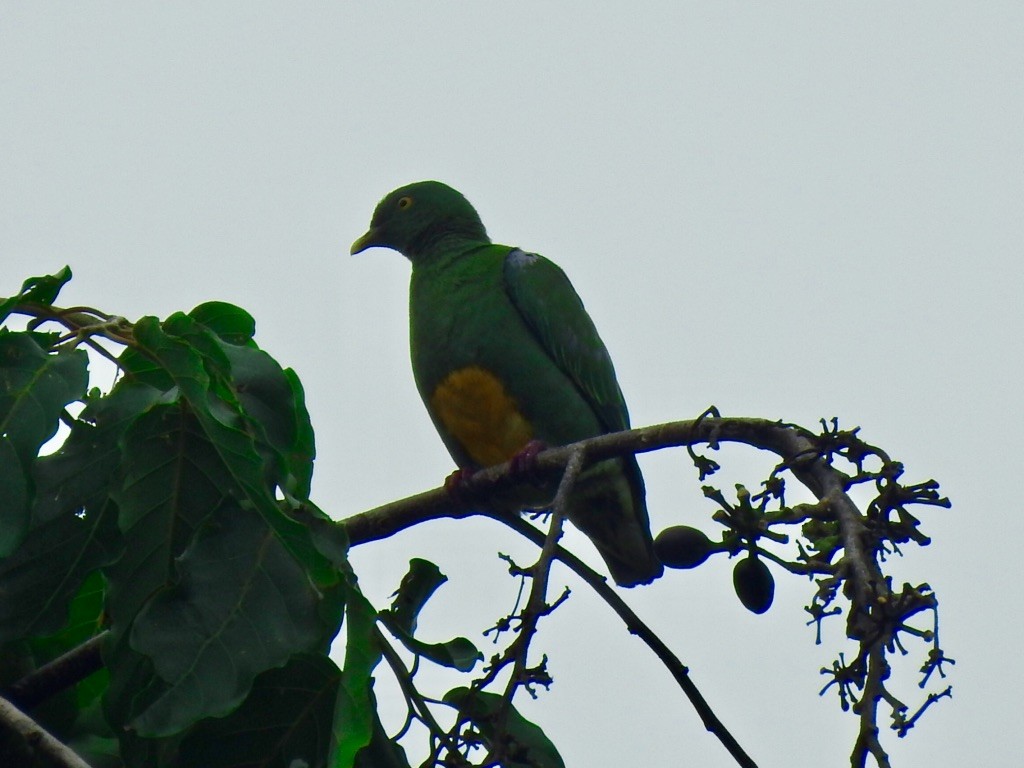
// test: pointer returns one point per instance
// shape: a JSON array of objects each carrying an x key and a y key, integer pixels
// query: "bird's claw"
[
  {"x": 524, "y": 463},
  {"x": 455, "y": 486}
]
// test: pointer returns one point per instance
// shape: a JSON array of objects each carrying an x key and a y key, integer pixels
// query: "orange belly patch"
[{"x": 473, "y": 405}]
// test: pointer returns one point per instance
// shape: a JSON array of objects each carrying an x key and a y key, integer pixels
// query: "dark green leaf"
[
  {"x": 140, "y": 368},
  {"x": 382, "y": 751},
  {"x": 85, "y": 620},
  {"x": 252, "y": 383},
  {"x": 81, "y": 472},
  {"x": 134, "y": 684},
  {"x": 264, "y": 396},
  {"x": 210, "y": 348},
  {"x": 139, "y": 752},
  {"x": 285, "y": 721},
  {"x": 44, "y": 289},
  {"x": 173, "y": 480},
  {"x": 242, "y": 605},
  {"x": 355, "y": 707},
  {"x": 38, "y": 581},
  {"x": 16, "y": 661},
  {"x": 7, "y": 306},
  {"x": 303, "y": 448},
  {"x": 97, "y": 751},
  {"x": 34, "y": 388},
  {"x": 14, "y": 499},
  {"x": 419, "y": 583},
  {"x": 223, "y": 422},
  {"x": 329, "y": 536},
  {"x": 459, "y": 653},
  {"x": 182, "y": 363},
  {"x": 231, "y": 323},
  {"x": 271, "y": 403},
  {"x": 73, "y": 710},
  {"x": 524, "y": 744}
]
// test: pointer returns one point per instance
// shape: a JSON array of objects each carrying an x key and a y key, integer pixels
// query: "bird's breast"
[{"x": 475, "y": 408}]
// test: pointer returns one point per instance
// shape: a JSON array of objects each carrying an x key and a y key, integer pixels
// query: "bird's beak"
[{"x": 366, "y": 241}]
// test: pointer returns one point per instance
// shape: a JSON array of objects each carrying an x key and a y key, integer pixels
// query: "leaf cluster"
[{"x": 172, "y": 523}]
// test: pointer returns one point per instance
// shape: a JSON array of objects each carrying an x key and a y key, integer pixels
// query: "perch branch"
[
  {"x": 796, "y": 446},
  {"x": 786, "y": 440}
]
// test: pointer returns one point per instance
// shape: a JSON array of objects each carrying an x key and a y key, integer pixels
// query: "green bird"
[{"x": 506, "y": 358}]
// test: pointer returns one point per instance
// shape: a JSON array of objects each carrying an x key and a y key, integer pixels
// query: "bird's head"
[{"x": 413, "y": 218}]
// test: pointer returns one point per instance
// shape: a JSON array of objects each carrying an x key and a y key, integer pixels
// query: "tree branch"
[
  {"x": 790, "y": 442},
  {"x": 53, "y": 677},
  {"x": 37, "y": 738}
]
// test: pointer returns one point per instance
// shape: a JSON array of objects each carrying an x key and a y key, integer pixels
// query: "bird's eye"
[{"x": 404, "y": 202}]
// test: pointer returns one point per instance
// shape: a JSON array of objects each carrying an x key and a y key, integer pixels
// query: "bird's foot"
[
  {"x": 455, "y": 486},
  {"x": 524, "y": 463}
]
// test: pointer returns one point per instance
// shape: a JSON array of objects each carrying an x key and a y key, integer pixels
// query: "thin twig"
[
  {"x": 932, "y": 698},
  {"x": 80, "y": 320},
  {"x": 101, "y": 350},
  {"x": 412, "y": 696},
  {"x": 536, "y": 604},
  {"x": 637, "y": 627}
]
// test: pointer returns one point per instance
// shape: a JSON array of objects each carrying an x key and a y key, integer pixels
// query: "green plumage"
[{"x": 486, "y": 316}]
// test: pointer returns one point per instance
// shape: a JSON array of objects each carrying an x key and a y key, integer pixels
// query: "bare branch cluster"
[{"x": 842, "y": 547}]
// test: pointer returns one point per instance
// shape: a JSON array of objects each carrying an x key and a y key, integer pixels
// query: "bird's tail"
[{"x": 608, "y": 505}]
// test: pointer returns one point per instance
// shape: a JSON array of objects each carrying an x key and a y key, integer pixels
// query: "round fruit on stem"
[
  {"x": 683, "y": 547},
  {"x": 754, "y": 584}
]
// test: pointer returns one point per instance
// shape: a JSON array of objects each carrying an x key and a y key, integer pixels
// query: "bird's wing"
[{"x": 552, "y": 310}]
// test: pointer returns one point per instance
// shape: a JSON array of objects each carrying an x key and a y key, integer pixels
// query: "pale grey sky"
[{"x": 789, "y": 210}]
